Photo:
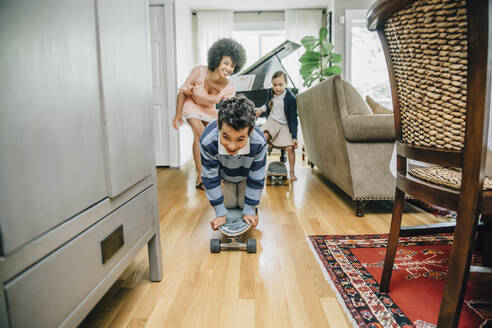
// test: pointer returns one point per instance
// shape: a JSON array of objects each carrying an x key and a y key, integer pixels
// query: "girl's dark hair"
[
  {"x": 278, "y": 74},
  {"x": 226, "y": 47},
  {"x": 238, "y": 113}
]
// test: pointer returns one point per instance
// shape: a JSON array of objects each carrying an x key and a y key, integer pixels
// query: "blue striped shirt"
[{"x": 216, "y": 167}]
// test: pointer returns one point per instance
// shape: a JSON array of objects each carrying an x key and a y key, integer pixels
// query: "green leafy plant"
[{"x": 316, "y": 62}]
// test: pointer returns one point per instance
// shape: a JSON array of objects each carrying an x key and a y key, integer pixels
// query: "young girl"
[
  {"x": 281, "y": 126},
  {"x": 205, "y": 87}
]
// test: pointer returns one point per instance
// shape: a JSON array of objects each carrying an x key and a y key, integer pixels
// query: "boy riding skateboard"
[{"x": 233, "y": 156}]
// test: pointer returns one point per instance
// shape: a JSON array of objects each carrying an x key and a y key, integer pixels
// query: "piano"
[{"x": 263, "y": 70}]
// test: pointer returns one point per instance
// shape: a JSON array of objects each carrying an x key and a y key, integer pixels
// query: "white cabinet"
[
  {"x": 77, "y": 179},
  {"x": 125, "y": 82},
  {"x": 51, "y": 137}
]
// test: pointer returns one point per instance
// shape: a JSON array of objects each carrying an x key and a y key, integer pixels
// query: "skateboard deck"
[
  {"x": 235, "y": 225},
  {"x": 277, "y": 173}
]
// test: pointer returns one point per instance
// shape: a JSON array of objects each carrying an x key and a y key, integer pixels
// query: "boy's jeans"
[{"x": 233, "y": 193}]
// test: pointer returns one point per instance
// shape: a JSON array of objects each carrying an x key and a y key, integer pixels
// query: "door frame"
[{"x": 170, "y": 76}]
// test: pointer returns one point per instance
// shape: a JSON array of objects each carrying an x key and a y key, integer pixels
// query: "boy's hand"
[
  {"x": 253, "y": 219},
  {"x": 217, "y": 222},
  {"x": 258, "y": 113},
  {"x": 294, "y": 141}
]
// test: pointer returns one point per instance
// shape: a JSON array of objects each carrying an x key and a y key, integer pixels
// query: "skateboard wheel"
[
  {"x": 251, "y": 246},
  {"x": 215, "y": 246}
]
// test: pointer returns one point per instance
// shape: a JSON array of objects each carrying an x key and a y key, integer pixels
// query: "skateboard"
[
  {"x": 234, "y": 227},
  {"x": 277, "y": 174}
]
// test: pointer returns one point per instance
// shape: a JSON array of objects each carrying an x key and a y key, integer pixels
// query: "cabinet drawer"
[{"x": 48, "y": 292}]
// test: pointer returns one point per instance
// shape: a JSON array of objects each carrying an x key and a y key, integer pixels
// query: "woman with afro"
[{"x": 205, "y": 87}]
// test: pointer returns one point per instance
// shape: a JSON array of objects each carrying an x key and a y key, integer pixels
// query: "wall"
[
  {"x": 184, "y": 64},
  {"x": 194, "y": 31},
  {"x": 267, "y": 20},
  {"x": 330, "y": 7},
  {"x": 339, "y": 29}
]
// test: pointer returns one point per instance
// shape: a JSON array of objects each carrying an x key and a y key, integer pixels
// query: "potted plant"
[{"x": 316, "y": 62}]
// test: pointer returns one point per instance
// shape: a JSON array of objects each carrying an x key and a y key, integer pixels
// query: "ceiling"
[{"x": 254, "y": 5}]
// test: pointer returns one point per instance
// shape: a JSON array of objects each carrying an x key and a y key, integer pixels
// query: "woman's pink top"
[{"x": 198, "y": 103}]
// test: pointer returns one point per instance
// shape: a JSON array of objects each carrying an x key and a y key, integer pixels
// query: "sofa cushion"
[
  {"x": 355, "y": 104},
  {"x": 369, "y": 128},
  {"x": 376, "y": 107}
]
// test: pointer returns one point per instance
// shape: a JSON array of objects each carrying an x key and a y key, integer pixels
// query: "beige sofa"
[{"x": 349, "y": 144}]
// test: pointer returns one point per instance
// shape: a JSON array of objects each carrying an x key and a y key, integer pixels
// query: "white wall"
[
  {"x": 184, "y": 64},
  {"x": 330, "y": 7},
  {"x": 184, "y": 44},
  {"x": 339, "y": 29},
  {"x": 194, "y": 31},
  {"x": 267, "y": 20}
]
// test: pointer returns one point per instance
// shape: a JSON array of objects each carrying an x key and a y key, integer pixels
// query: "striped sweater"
[{"x": 234, "y": 169}]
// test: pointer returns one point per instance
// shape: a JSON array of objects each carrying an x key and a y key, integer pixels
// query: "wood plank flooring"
[{"x": 280, "y": 286}]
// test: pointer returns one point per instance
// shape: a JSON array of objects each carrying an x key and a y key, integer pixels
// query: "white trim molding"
[
  {"x": 171, "y": 77},
  {"x": 350, "y": 16}
]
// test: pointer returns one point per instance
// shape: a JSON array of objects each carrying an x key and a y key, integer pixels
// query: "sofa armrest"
[{"x": 368, "y": 128}]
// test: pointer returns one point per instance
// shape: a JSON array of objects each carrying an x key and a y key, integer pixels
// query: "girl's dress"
[{"x": 198, "y": 103}]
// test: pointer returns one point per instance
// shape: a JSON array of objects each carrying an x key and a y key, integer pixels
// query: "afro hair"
[
  {"x": 226, "y": 47},
  {"x": 238, "y": 113}
]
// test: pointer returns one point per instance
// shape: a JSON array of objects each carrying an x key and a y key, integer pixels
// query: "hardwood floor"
[{"x": 280, "y": 286}]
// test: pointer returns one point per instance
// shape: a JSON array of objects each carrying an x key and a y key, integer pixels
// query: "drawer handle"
[{"x": 112, "y": 243}]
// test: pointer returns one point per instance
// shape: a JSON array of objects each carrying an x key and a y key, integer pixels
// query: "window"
[
  {"x": 258, "y": 43},
  {"x": 365, "y": 65}
]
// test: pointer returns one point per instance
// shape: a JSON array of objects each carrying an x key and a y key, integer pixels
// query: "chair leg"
[
  {"x": 389, "y": 259},
  {"x": 458, "y": 270}
]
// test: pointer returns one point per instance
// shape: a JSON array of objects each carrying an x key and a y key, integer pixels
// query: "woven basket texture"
[
  {"x": 444, "y": 176},
  {"x": 428, "y": 48}
]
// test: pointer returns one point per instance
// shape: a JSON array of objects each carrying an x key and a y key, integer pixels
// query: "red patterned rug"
[
  {"x": 437, "y": 211},
  {"x": 353, "y": 264}
]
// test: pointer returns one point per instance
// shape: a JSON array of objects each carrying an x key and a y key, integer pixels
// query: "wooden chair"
[{"x": 437, "y": 52}]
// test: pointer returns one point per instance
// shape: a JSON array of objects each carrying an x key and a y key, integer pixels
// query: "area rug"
[
  {"x": 437, "y": 211},
  {"x": 353, "y": 265}
]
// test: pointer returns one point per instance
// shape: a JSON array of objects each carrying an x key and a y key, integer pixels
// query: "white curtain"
[
  {"x": 212, "y": 25},
  {"x": 298, "y": 24}
]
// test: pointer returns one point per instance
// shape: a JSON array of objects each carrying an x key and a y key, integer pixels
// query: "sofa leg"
[
  {"x": 484, "y": 241},
  {"x": 360, "y": 205}
]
